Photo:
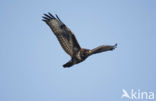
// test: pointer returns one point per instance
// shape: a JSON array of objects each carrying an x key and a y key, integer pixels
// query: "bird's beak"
[{"x": 89, "y": 52}]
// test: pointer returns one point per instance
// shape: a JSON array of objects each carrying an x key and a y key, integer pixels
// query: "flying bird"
[{"x": 69, "y": 43}]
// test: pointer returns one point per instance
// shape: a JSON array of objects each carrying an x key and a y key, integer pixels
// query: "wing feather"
[
  {"x": 103, "y": 48},
  {"x": 64, "y": 35}
]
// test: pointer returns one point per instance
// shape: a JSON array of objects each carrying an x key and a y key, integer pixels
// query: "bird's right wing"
[
  {"x": 103, "y": 48},
  {"x": 64, "y": 35}
]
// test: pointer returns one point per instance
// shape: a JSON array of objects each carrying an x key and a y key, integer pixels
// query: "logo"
[{"x": 138, "y": 95}]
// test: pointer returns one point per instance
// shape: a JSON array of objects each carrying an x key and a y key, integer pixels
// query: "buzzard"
[{"x": 69, "y": 43}]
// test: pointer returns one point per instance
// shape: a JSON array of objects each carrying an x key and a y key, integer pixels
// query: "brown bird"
[{"x": 69, "y": 43}]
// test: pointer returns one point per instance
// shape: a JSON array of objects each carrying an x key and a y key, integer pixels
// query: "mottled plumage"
[{"x": 69, "y": 43}]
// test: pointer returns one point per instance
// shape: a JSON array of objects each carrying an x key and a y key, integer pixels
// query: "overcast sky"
[{"x": 31, "y": 58}]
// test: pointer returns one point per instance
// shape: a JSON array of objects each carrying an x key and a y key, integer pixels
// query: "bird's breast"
[{"x": 78, "y": 55}]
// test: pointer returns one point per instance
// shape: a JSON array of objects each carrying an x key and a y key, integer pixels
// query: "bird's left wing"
[
  {"x": 103, "y": 48},
  {"x": 64, "y": 35}
]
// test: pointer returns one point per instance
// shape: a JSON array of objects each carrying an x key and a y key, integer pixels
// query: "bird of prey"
[{"x": 69, "y": 43}]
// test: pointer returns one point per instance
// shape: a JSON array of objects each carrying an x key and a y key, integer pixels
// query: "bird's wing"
[
  {"x": 64, "y": 35},
  {"x": 103, "y": 48}
]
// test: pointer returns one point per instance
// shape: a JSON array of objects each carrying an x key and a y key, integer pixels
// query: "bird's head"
[{"x": 85, "y": 53}]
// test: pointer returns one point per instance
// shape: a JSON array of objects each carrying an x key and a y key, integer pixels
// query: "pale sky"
[{"x": 31, "y": 58}]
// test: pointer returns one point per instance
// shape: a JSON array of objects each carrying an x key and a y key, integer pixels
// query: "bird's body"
[
  {"x": 78, "y": 57},
  {"x": 69, "y": 43}
]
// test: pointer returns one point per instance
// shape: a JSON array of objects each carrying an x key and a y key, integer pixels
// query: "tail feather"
[{"x": 68, "y": 64}]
